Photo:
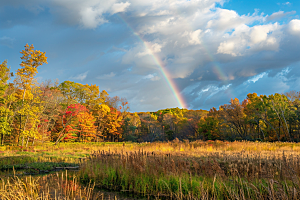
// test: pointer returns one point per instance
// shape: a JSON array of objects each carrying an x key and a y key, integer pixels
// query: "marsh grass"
[
  {"x": 207, "y": 171},
  {"x": 58, "y": 186},
  {"x": 177, "y": 170}
]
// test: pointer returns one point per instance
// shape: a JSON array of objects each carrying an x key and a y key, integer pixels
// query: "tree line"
[
  {"x": 274, "y": 117},
  {"x": 50, "y": 111},
  {"x": 47, "y": 111},
  {"x": 73, "y": 112}
]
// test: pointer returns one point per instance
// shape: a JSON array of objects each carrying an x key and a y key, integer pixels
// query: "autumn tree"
[
  {"x": 234, "y": 117},
  {"x": 29, "y": 108},
  {"x": 209, "y": 127},
  {"x": 87, "y": 95},
  {"x": 267, "y": 112},
  {"x": 130, "y": 127},
  {"x": 151, "y": 128},
  {"x": 113, "y": 125},
  {"x": 5, "y": 98},
  {"x": 31, "y": 60},
  {"x": 51, "y": 99},
  {"x": 294, "y": 114},
  {"x": 190, "y": 128},
  {"x": 78, "y": 123}
]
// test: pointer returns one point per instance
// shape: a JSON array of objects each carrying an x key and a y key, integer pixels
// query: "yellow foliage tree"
[
  {"x": 30, "y": 103},
  {"x": 31, "y": 60}
]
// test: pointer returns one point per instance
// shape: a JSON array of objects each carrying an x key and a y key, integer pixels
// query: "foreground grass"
[
  {"x": 50, "y": 187},
  {"x": 186, "y": 172},
  {"x": 178, "y": 170}
]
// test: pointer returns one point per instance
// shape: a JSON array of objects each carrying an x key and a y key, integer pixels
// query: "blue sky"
[
  {"x": 265, "y": 6},
  {"x": 214, "y": 49}
]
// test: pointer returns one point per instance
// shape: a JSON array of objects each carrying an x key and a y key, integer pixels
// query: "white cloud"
[
  {"x": 212, "y": 90},
  {"x": 150, "y": 49},
  {"x": 177, "y": 33},
  {"x": 246, "y": 39},
  {"x": 89, "y": 14},
  {"x": 90, "y": 18},
  {"x": 119, "y": 7},
  {"x": 107, "y": 76},
  {"x": 294, "y": 27},
  {"x": 257, "y": 77},
  {"x": 229, "y": 19},
  {"x": 283, "y": 72},
  {"x": 260, "y": 33},
  {"x": 194, "y": 37},
  {"x": 152, "y": 77},
  {"x": 148, "y": 76},
  {"x": 80, "y": 77},
  {"x": 186, "y": 38},
  {"x": 189, "y": 40},
  {"x": 228, "y": 47}
]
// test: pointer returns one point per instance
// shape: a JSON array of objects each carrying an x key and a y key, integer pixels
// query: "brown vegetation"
[{"x": 199, "y": 170}]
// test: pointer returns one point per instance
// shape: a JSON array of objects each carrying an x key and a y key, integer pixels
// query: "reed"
[
  {"x": 203, "y": 172},
  {"x": 177, "y": 170},
  {"x": 49, "y": 187}
]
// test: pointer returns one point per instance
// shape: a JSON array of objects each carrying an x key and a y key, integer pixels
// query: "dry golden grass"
[
  {"x": 199, "y": 170},
  {"x": 48, "y": 187},
  {"x": 183, "y": 170}
]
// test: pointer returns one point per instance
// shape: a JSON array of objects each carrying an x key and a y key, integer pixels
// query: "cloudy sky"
[{"x": 210, "y": 50}]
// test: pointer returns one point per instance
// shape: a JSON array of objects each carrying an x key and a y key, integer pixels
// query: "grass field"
[{"x": 177, "y": 170}]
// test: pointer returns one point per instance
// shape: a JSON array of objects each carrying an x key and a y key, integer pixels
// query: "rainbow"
[
  {"x": 216, "y": 68},
  {"x": 221, "y": 75},
  {"x": 218, "y": 71},
  {"x": 176, "y": 92}
]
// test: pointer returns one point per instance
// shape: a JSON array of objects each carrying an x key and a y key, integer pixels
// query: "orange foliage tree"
[
  {"x": 79, "y": 124},
  {"x": 113, "y": 125}
]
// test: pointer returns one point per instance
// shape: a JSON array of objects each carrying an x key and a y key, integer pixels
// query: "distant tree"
[{"x": 209, "y": 127}]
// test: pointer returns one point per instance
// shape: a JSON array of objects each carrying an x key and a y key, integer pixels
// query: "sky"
[{"x": 158, "y": 54}]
